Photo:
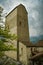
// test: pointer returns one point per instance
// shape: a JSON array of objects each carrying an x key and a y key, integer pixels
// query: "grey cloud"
[
  {"x": 33, "y": 23},
  {"x": 31, "y": 6}
]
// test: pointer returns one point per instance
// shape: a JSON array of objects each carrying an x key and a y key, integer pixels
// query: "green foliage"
[
  {"x": 4, "y": 39},
  {"x": 5, "y": 47},
  {"x": 1, "y": 54},
  {"x": 13, "y": 37},
  {"x": 4, "y": 35}
]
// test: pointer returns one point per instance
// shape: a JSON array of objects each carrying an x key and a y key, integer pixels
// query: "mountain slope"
[{"x": 35, "y": 39}]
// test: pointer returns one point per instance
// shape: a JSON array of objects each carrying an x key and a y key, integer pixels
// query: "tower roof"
[{"x": 17, "y": 7}]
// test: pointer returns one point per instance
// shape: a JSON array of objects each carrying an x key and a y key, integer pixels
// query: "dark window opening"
[
  {"x": 21, "y": 51},
  {"x": 20, "y": 23}
]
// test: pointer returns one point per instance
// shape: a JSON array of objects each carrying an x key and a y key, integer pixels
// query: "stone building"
[{"x": 17, "y": 22}]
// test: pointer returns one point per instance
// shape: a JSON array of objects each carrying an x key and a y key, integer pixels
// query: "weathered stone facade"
[{"x": 17, "y": 22}]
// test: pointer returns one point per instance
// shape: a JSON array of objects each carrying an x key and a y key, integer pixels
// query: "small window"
[
  {"x": 21, "y": 51},
  {"x": 20, "y": 23}
]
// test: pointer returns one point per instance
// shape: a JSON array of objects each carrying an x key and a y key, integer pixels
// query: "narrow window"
[
  {"x": 20, "y": 23},
  {"x": 21, "y": 51}
]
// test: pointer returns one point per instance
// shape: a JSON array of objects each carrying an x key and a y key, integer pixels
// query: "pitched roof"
[
  {"x": 15, "y": 8},
  {"x": 38, "y": 44}
]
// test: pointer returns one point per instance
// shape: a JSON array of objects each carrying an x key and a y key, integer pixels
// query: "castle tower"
[
  {"x": 22, "y": 23},
  {"x": 17, "y": 22}
]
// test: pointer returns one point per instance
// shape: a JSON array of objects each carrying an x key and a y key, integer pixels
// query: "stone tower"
[
  {"x": 17, "y": 22},
  {"x": 22, "y": 24}
]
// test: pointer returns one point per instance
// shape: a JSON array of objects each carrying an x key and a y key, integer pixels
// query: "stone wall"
[
  {"x": 23, "y": 53},
  {"x": 17, "y": 21},
  {"x": 22, "y": 24}
]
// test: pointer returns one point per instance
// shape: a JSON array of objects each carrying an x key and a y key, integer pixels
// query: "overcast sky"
[{"x": 35, "y": 13}]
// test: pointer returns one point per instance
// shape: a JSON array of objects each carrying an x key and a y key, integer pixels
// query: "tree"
[
  {"x": 4, "y": 34},
  {"x": 5, "y": 37}
]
